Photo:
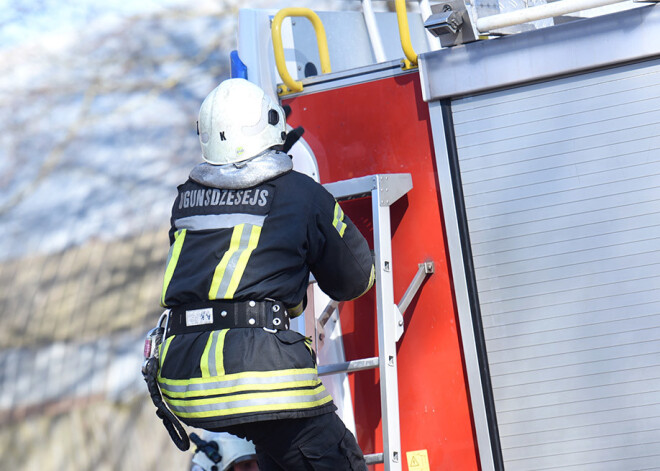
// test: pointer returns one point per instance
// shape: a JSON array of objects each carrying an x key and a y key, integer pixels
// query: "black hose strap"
[{"x": 174, "y": 428}]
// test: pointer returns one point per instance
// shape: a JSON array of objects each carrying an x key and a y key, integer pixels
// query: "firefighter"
[
  {"x": 229, "y": 453},
  {"x": 246, "y": 231}
]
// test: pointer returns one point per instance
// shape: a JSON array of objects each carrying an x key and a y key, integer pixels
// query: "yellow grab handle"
[
  {"x": 278, "y": 48},
  {"x": 404, "y": 33}
]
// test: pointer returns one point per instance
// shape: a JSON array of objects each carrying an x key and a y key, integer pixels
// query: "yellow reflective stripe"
[
  {"x": 238, "y": 389},
  {"x": 229, "y": 271},
  {"x": 338, "y": 221},
  {"x": 255, "y": 233},
  {"x": 219, "y": 357},
  {"x": 264, "y": 407},
  {"x": 222, "y": 266},
  {"x": 296, "y": 310},
  {"x": 372, "y": 278},
  {"x": 204, "y": 361},
  {"x": 163, "y": 352},
  {"x": 308, "y": 344},
  {"x": 248, "y": 374},
  {"x": 261, "y": 408},
  {"x": 247, "y": 397},
  {"x": 172, "y": 260},
  {"x": 237, "y": 382}
]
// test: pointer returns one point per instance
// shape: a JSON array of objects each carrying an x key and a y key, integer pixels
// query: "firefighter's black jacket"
[{"x": 252, "y": 244}]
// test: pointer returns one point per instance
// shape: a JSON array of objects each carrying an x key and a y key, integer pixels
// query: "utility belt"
[{"x": 223, "y": 314}]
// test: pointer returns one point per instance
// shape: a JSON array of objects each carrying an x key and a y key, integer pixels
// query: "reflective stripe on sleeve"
[
  {"x": 296, "y": 310},
  {"x": 338, "y": 220},
  {"x": 252, "y": 402},
  {"x": 308, "y": 344},
  {"x": 372, "y": 278},
  {"x": 172, "y": 260}
]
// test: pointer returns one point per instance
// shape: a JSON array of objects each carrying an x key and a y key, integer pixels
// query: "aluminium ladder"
[{"x": 384, "y": 189}]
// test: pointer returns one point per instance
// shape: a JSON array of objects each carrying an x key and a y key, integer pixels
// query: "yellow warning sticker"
[{"x": 418, "y": 460}]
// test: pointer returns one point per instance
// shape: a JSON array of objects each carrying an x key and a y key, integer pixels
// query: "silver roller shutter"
[{"x": 561, "y": 182}]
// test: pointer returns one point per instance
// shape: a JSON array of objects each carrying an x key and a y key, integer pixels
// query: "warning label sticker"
[{"x": 418, "y": 460}]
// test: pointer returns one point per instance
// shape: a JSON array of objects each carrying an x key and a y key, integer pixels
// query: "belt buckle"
[{"x": 279, "y": 316}]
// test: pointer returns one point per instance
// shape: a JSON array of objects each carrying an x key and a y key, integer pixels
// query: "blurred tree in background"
[{"x": 98, "y": 129}]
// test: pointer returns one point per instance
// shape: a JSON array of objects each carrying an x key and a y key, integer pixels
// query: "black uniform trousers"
[{"x": 320, "y": 443}]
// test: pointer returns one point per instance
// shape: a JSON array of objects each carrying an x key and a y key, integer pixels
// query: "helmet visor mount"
[{"x": 267, "y": 117}]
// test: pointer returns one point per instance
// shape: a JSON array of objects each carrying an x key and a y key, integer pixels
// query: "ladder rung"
[
  {"x": 374, "y": 458},
  {"x": 348, "y": 366},
  {"x": 353, "y": 188}
]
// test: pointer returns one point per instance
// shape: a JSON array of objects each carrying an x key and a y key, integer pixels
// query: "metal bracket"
[
  {"x": 327, "y": 312},
  {"x": 392, "y": 186},
  {"x": 446, "y": 21},
  {"x": 424, "y": 270},
  {"x": 450, "y": 21},
  {"x": 323, "y": 319}
]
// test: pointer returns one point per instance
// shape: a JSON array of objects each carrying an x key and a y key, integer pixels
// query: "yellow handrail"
[
  {"x": 278, "y": 48},
  {"x": 404, "y": 33}
]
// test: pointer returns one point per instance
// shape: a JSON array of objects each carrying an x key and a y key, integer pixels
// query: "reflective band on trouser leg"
[
  {"x": 237, "y": 382},
  {"x": 230, "y": 270},
  {"x": 172, "y": 260},
  {"x": 251, "y": 402},
  {"x": 338, "y": 221}
]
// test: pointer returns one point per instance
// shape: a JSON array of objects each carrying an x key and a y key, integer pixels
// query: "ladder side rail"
[
  {"x": 389, "y": 389},
  {"x": 384, "y": 190}
]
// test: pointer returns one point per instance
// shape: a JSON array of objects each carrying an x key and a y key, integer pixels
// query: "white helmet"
[
  {"x": 233, "y": 450},
  {"x": 237, "y": 121}
]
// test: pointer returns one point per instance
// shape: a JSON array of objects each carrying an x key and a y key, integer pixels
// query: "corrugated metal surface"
[{"x": 562, "y": 192}]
